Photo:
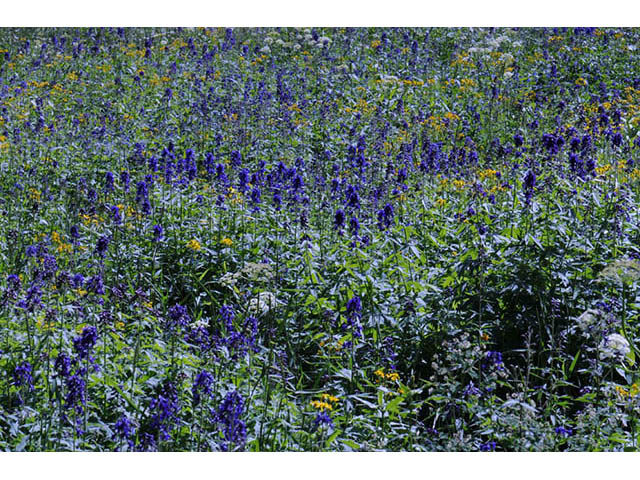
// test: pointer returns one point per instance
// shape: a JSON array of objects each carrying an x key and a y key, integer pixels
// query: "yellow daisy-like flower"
[
  {"x": 393, "y": 376},
  {"x": 632, "y": 391},
  {"x": 318, "y": 405},
  {"x": 194, "y": 245},
  {"x": 329, "y": 398},
  {"x": 227, "y": 242}
]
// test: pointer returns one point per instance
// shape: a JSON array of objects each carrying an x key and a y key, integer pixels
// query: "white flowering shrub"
[
  {"x": 588, "y": 319},
  {"x": 262, "y": 304},
  {"x": 614, "y": 346}
]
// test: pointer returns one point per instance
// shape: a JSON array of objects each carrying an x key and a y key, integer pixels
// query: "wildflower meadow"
[{"x": 319, "y": 239}]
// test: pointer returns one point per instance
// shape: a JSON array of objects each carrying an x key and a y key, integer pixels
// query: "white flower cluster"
[
  {"x": 304, "y": 37},
  {"x": 258, "y": 271},
  {"x": 251, "y": 271},
  {"x": 261, "y": 304},
  {"x": 201, "y": 323},
  {"x": 588, "y": 319},
  {"x": 307, "y": 37},
  {"x": 614, "y": 346},
  {"x": 621, "y": 271},
  {"x": 230, "y": 279},
  {"x": 508, "y": 59},
  {"x": 492, "y": 45},
  {"x": 322, "y": 41}
]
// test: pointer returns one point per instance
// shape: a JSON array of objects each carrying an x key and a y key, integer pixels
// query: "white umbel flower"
[
  {"x": 261, "y": 304},
  {"x": 614, "y": 346},
  {"x": 621, "y": 271},
  {"x": 252, "y": 272},
  {"x": 230, "y": 279},
  {"x": 588, "y": 319},
  {"x": 258, "y": 271}
]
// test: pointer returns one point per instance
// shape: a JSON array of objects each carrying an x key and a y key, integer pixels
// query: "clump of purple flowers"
[
  {"x": 354, "y": 313},
  {"x": 158, "y": 233},
  {"x": 237, "y": 338},
  {"x": 102, "y": 245},
  {"x": 202, "y": 383},
  {"x": 76, "y": 391},
  {"x": 493, "y": 359},
  {"x": 95, "y": 285},
  {"x": 322, "y": 418},
  {"x": 22, "y": 375},
  {"x": 86, "y": 341},
  {"x": 471, "y": 390},
  {"x": 62, "y": 365},
  {"x": 389, "y": 352},
  {"x": 488, "y": 447},
  {"x": 385, "y": 217},
  {"x": 123, "y": 430},
  {"x": 165, "y": 407},
  {"x": 528, "y": 186},
  {"x": 562, "y": 431},
  {"x": 228, "y": 416},
  {"x": 339, "y": 219},
  {"x": 177, "y": 318},
  {"x": 33, "y": 298},
  {"x": 13, "y": 288}
]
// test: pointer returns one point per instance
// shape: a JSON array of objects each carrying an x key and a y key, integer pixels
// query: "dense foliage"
[{"x": 319, "y": 239}]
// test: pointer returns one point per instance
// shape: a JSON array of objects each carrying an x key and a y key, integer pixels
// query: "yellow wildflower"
[
  {"x": 318, "y": 405},
  {"x": 632, "y": 391},
  {"x": 330, "y": 398},
  {"x": 64, "y": 248},
  {"x": 451, "y": 116},
  {"x": 194, "y": 245},
  {"x": 393, "y": 376},
  {"x": 459, "y": 184}
]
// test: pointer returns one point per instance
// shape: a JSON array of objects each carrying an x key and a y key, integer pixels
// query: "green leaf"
[
  {"x": 575, "y": 361},
  {"x": 333, "y": 436},
  {"x": 393, "y": 405},
  {"x": 363, "y": 401},
  {"x": 126, "y": 397},
  {"x": 631, "y": 357},
  {"x": 351, "y": 444}
]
